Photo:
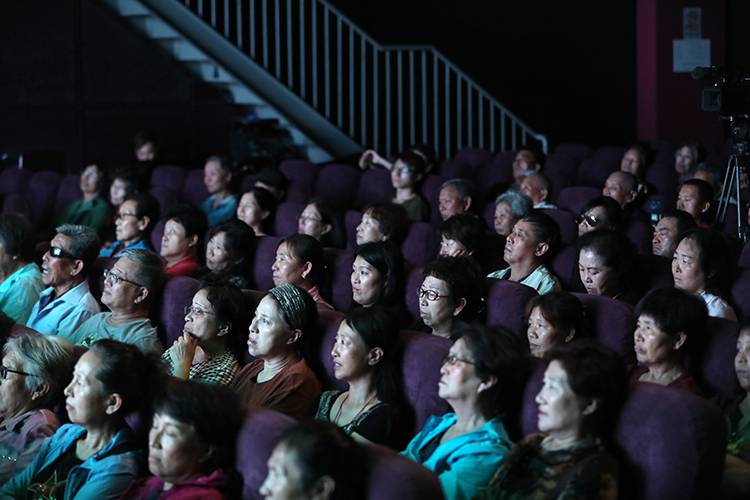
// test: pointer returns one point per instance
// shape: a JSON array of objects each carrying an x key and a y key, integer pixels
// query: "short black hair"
[
  {"x": 386, "y": 257},
  {"x": 331, "y": 215},
  {"x": 563, "y": 311},
  {"x": 465, "y": 228},
  {"x": 239, "y": 243},
  {"x": 536, "y": 153},
  {"x": 392, "y": 218},
  {"x": 306, "y": 249},
  {"x": 617, "y": 253},
  {"x": 685, "y": 221},
  {"x": 230, "y": 310},
  {"x": 16, "y": 236},
  {"x": 414, "y": 161},
  {"x": 145, "y": 206},
  {"x": 612, "y": 211},
  {"x": 191, "y": 218},
  {"x": 705, "y": 190},
  {"x": 545, "y": 230},
  {"x": 465, "y": 281},
  {"x": 713, "y": 251}
]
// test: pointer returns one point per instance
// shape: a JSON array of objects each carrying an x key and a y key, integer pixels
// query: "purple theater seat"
[
  {"x": 594, "y": 172},
  {"x": 656, "y": 271},
  {"x": 491, "y": 179},
  {"x": 430, "y": 189},
  {"x": 562, "y": 164},
  {"x": 341, "y": 288},
  {"x": 177, "y": 294},
  {"x": 68, "y": 191},
  {"x": 171, "y": 177},
  {"x": 265, "y": 253},
  {"x": 573, "y": 150},
  {"x": 574, "y": 198},
  {"x": 374, "y": 186},
  {"x": 452, "y": 169},
  {"x": 156, "y": 234},
  {"x": 351, "y": 221},
  {"x": 489, "y": 254},
  {"x": 740, "y": 294},
  {"x": 506, "y": 305},
  {"x": 393, "y": 476},
  {"x": 16, "y": 203},
  {"x": 299, "y": 170},
  {"x": 610, "y": 154},
  {"x": 194, "y": 190},
  {"x": 337, "y": 184},
  {"x": 473, "y": 157},
  {"x": 420, "y": 244},
  {"x": 286, "y": 218},
  {"x": 247, "y": 183},
  {"x": 41, "y": 193},
  {"x": 166, "y": 197},
  {"x": 503, "y": 163},
  {"x": 320, "y": 351},
  {"x": 558, "y": 180},
  {"x": 567, "y": 224},
  {"x": 564, "y": 265},
  {"x": 673, "y": 444},
  {"x": 640, "y": 233},
  {"x": 488, "y": 215},
  {"x": 529, "y": 409},
  {"x": 662, "y": 178},
  {"x": 744, "y": 261},
  {"x": 613, "y": 322},
  {"x": 14, "y": 180},
  {"x": 717, "y": 364},
  {"x": 411, "y": 299}
]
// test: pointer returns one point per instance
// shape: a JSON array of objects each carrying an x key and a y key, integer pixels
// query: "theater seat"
[
  {"x": 506, "y": 305},
  {"x": 411, "y": 299},
  {"x": 171, "y": 177},
  {"x": 337, "y": 184},
  {"x": 341, "y": 286},
  {"x": 194, "y": 190},
  {"x": 740, "y": 294},
  {"x": 374, "y": 186},
  {"x": 420, "y": 244},
  {"x": 574, "y": 198},
  {"x": 286, "y": 219},
  {"x": 41, "y": 193},
  {"x": 613, "y": 322},
  {"x": 177, "y": 294},
  {"x": 265, "y": 253},
  {"x": 567, "y": 224},
  {"x": 716, "y": 364}
]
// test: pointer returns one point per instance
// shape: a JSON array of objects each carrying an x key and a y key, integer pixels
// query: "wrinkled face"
[
  {"x": 531, "y": 187},
  {"x": 284, "y": 481},
  {"x": 631, "y": 163},
  {"x": 437, "y": 314},
  {"x": 120, "y": 292},
  {"x": 368, "y": 230},
  {"x": 686, "y": 267},
  {"x": 742, "y": 359},
  {"x": 591, "y": 219},
  {"x": 13, "y": 393},
  {"x": 200, "y": 322},
  {"x": 665, "y": 237},
  {"x": 174, "y": 451},
  {"x": 90, "y": 179},
  {"x": 215, "y": 178},
  {"x": 86, "y": 401},
  {"x": 595, "y": 275},
  {"x": 117, "y": 192},
  {"x": 287, "y": 268},
  {"x": 458, "y": 378},
  {"x": 522, "y": 164},
  {"x": 520, "y": 244},
  {"x": 688, "y": 200},
  {"x": 217, "y": 257},
  {"x": 128, "y": 227},
  {"x": 174, "y": 242},
  {"x": 560, "y": 410},
  {"x": 683, "y": 160},
  {"x": 451, "y": 248},
  {"x": 367, "y": 282},
  {"x": 57, "y": 271},
  {"x": 402, "y": 176},
  {"x": 450, "y": 203},
  {"x": 248, "y": 210},
  {"x": 269, "y": 334},
  {"x": 616, "y": 188},
  {"x": 504, "y": 219},
  {"x": 652, "y": 345},
  {"x": 351, "y": 358},
  {"x": 311, "y": 223},
  {"x": 541, "y": 333},
  {"x": 146, "y": 152}
]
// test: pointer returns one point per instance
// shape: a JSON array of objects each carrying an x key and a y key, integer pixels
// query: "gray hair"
[
  {"x": 46, "y": 357},
  {"x": 520, "y": 204},
  {"x": 149, "y": 270},
  {"x": 85, "y": 243},
  {"x": 222, "y": 161},
  {"x": 464, "y": 187}
]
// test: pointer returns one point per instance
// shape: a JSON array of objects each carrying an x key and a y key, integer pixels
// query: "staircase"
[{"x": 304, "y": 65}]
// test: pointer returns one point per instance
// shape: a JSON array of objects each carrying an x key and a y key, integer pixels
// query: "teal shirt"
[
  {"x": 465, "y": 464},
  {"x": 20, "y": 291},
  {"x": 93, "y": 213},
  {"x": 540, "y": 279},
  {"x": 139, "y": 333}
]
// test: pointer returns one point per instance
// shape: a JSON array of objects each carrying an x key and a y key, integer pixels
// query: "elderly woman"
[
  {"x": 377, "y": 275},
  {"x": 256, "y": 209},
  {"x": 279, "y": 377},
  {"x": 527, "y": 249},
  {"x": 510, "y": 207},
  {"x": 553, "y": 319},
  {"x": 96, "y": 455},
  {"x": 322, "y": 221},
  {"x": 130, "y": 289},
  {"x": 382, "y": 222},
  {"x": 699, "y": 266},
  {"x": 601, "y": 212},
  {"x": 229, "y": 254},
  {"x": 460, "y": 235},
  {"x": 315, "y": 460},
  {"x": 221, "y": 204},
  {"x": 215, "y": 323},
  {"x": 191, "y": 445},
  {"x": 133, "y": 223},
  {"x": 606, "y": 265},
  {"x": 299, "y": 261},
  {"x": 35, "y": 370},
  {"x": 20, "y": 278},
  {"x": 452, "y": 292},
  {"x": 365, "y": 356},
  {"x": 92, "y": 209},
  {"x": 184, "y": 230},
  {"x": 481, "y": 379},
  {"x": 670, "y": 323},
  {"x": 578, "y": 403},
  {"x": 634, "y": 161}
]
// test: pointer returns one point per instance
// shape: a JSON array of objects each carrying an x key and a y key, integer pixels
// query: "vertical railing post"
[
  {"x": 326, "y": 61},
  {"x": 388, "y": 124},
  {"x": 459, "y": 114},
  {"x": 375, "y": 94},
  {"x": 289, "y": 45},
  {"x": 400, "y": 105},
  {"x": 277, "y": 38},
  {"x": 435, "y": 100},
  {"x": 352, "y": 121},
  {"x": 363, "y": 89},
  {"x": 412, "y": 119},
  {"x": 302, "y": 73},
  {"x": 339, "y": 76},
  {"x": 469, "y": 116},
  {"x": 239, "y": 24},
  {"x": 446, "y": 147}
]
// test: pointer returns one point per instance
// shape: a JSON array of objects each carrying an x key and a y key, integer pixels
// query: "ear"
[
  {"x": 323, "y": 488},
  {"x": 192, "y": 241},
  {"x": 306, "y": 269},
  {"x": 631, "y": 196},
  {"x": 294, "y": 336},
  {"x": 77, "y": 267},
  {"x": 680, "y": 341},
  {"x": 467, "y": 203},
  {"x": 545, "y": 193},
  {"x": 143, "y": 222},
  {"x": 326, "y": 228},
  {"x": 486, "y": 384},
  {"x": 142, "y": 295},
  {"x": 541, "y": 249},
  {"x": 374, "y": 356},
  {"x": 459, "y": 307},
  {"x": 40, "y": 391},
  {"x": 591, "y": 407},
  {"x": 114, "y": 403},
  {"x": 223, "y": 330},
  {"x": 570, "y": 335},
  {"x": 264, "y": 214},
  {"x": 705, "y": 207}
]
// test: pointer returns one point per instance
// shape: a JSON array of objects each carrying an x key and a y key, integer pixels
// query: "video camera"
[{"x": 729, "y": 94}]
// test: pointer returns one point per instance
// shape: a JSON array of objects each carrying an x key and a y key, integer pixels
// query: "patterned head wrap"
[{"x": 292, "y": 304}]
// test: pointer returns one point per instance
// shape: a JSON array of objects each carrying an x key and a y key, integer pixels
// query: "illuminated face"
[
  {"x": 541, "y": 334},
  {"x": 631, "y": 163},
  {"x": 368, "y": 230},
  {"x": 57, "y": 271},
  {"x": 652, "y": 345},
  {"x": 310, "y": 222},
  {"x": 450, "y": 203},
  {"x": 616, "y": 188},
  {"x": 249, "y": 211},
  {"x": 128, "y": 227},
  {"x": 531, "y": 187},
  {"x": 504, "y": 219},
  {"x": 174, "y": 451},
  {"x": 367, "y": 282},
  {"x": 597, "y": 278},
  {"x": 351, "y": 358},
  {"x": 284, "y": 479},
  {"x": 686, "y": 267},
  {"x": 121, "y": 293},
  {"x": 458, "y": 378},
  {"x": 287, "y": 268},
  {"x": 217, "y": 256},
  {"x": 174, "y": 242},
  {"x": 665, "y": 237},
  {"x": 269, "y": 334},
  {"x": 742, "y": 359},
  {"x": 451, "y": 248},
  {"x": 13, "y": 393},
  {"x": 523, "y": 163},
  {"x": 86, "y": 400},
  {"x": 560, "y": 409},
  {"x": 520, "y": 243},
  {"x": 402, "y": 176},
  {"x": 592, "y": 219},
  {"x": 147, "y": 152},
  {"x": 118, "y": 191},
  {"x": 689, "y": 200},
  {"x": 683, "y": 160},
  {"x": 437, "y": 314},
  {"x": 90, "y": 178},
  {"x": 215, "y": 178},
  {"x": 200, "y": 322}
]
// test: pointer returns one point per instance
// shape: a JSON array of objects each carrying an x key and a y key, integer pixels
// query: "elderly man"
[
  {"x": 455, "y": 197},
  {"x": 537, "y": 187},
  {"x": 130, "y": 288},
  {"x": 671, "y": 226},
  {"x": 621, "y": 187},
  {"x": 527, "y": 160},
  {"x": 67, "y": 302}
]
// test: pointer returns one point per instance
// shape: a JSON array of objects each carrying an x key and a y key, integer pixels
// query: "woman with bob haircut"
[
  {"x": 607, "y": 265},
  {"x": 229, "y": 255},
  {"x": 256, "y": 210},
  {"x": 322, "y": 221},
  {"x": 377, "y": 275},
  {"x": 191, "y": 445},
  {"x": 481, "y": 379},
  {"x": 299, "y": 261},
  {"x": 315, "y": 460},
  {"x": 553, "y": 319},
  {"x": 578, "y": 404}
]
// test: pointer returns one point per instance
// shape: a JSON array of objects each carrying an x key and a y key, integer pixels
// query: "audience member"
[
  {"x": 229, "y": 254},
  {"x": 135, "y": 219},
  {"x": 92, "y": 209},
  {"x": 537, "y": 187},
  {"x": 607, "y": 265},
  {"x": 322, "y": 221},
  {"x": 510, "y": 207},
  {"x": 67, "y": 301},
  {"x": 371, "y": 159},
  {"x": 124, "y": 183},
  {"x": 299, "y": 261},
  {"x": 383, "y": 222},
  {"x": 601, "y": 212},
  {"x": 460, "y": 235},
  {"x": 622, "y": 187},
  {"x": 145, "y": 147},
  {"x": 669, "y": 230},
  {"x": 20, "y": 278},
  {"x": 256, "y": 209},
  {"x": 272, "y": 180},
  {"x": 528, "y": 159},
  {"x": 456, "y": 197},
  {"x": 686, "y": 157},
  {"x": 554, "y": 319},
  {"x": 406, "y": 174},
  {"x": 634, "y": 161},
  {"x": 221, "y": 204},
  {"x": 696, "y": 198},
  {"x": 184, "y": 230},
  {"x": 377, "y": 275}
]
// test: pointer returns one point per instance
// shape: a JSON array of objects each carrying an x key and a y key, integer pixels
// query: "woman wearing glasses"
[
  {"x": 133, "y": 223},
  {"x": 215, "y": 323},
  {"x": 452, "y": 292},
  {"x": 601, "y": 212},
  {"x": 35, "y": 370},
  {"x": 481, "y": 379},
  {"x": 322, "y": 221},
  {"x": 406, "y": 174}
]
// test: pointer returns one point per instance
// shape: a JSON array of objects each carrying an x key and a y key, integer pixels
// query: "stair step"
[
  {"x": 155, "y": 28},
  {"x": 127, "y": 8},
  {"x": 183, "y": 50},
  {"x": 242, "y": 95},
  {"x": 211, "y": 72}
]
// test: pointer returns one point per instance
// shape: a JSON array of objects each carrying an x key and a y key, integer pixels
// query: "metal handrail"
[{"x": 382, "y": 96}]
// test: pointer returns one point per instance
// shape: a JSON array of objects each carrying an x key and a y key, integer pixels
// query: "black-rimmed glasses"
[
  {"x": 115, "y": 279},
  {"x": 4, "y": 371}
]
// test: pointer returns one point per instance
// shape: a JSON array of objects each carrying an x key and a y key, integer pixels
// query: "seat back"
[
  {"x": 716, "y": 365},
  {"x": 68, "y": 191},
  {"x": 740, "y": 293},
  {"x": 337, "y": 184},
  {"x": 341, "y": 286},
  {"x": 171, "y": 177},
  {"x": 265, "y": 253},
  {"x": 567, "y": 224},
  {"x": 194, "y": 190},
  {"x": 574, "y": 198},
  {"x": 177, "y": 294},
  {"x": 286, "y": 218},
  {"x": 613, "y": 322},
  {"x": 374, "y": 186},
  {"x": 420, "y": 244},
  {"x": 413, "y": 282},
  {"x": 506, "y": 305},
  {"x": 41, "y": 193}
]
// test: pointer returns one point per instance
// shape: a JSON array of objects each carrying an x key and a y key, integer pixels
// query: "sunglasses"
[
  {"x": 59, "y": 253},
  {"x": 590, "y": 220}
]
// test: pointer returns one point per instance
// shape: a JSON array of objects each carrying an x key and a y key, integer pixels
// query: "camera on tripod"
[{"x": 729, "y": 94}]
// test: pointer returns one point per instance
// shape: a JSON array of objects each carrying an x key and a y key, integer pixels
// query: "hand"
[
  {"x": 182, "y": 354},
  {"x": 366, "y": 160}
]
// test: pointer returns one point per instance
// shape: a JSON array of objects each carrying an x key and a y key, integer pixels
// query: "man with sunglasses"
[{"x": 67, "y": 301}]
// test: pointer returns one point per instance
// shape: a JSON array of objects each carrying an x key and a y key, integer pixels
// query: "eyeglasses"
[
  {"x": 451, "y": 360},
  {"x": 196, "y": 312},
  {"x": 306, "y": 218},
  {"x": 403, "y": 170},
  {"x": 122, "y": 216},
  {"x": 430, "y": 295},
  {"x": 4, "y": 371},
  {"x": 59, "y": 253},
  {"x": 115, "y": 279},
  {"x": 590, "y": 220}
]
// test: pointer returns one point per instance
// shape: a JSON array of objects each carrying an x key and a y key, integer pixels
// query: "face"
[
  {"x": 351, "y": 358},
  {"x": 437, "y": 314},
  {"x": 592, "y": 218},
  {"x": 58, "y": 271},
  {"x": 147, "y": 152},
  {"x": 686, "y": 268},
  {"x": 128, "y": 227},
  {"x": 367, "y": 282},
  {"x": 120, "y": 293},
  {"x": 368, "y": 230},
  {"x": 531, "y": 187},
  {"x": 560, "y": 410},
  {"x": 283, "y": 481},
  {"x": 595, "y": 276},
  {"x": 287, "y": 268},
  {"x": 14, "y": 397},
  {"x": 217, "y": 257},
  {"x": 214, "y": 177},
  {"x": 616, "y": 188},
  {"x": 742, "y": 359},
  {"x": 200, "y": 322},
  {"x": 523, "y": 163},
  {"x": 174, "y": 451},
  {"x": 520, "y": 243},
  {"x": 541, "y": 333},
  {"x": 174, "y": 242},
  {"x": 269, "y": 335},
  {"x": 117, "y": 192},
  {"x": 248, "y": 210},
  {"x": 689, "y": 201},
  {"x": 631, "y": 163},
  {"x": 85, "y": 399},
  {"x": 450, "y": 203},
  {"x": 90, "y": 179},
  {"x": 652, "y": 345},
  {"x": 402, "y": 176},
  {"x": 504, "y": 219},
  {"x": 683, "y": 160},
  {"x": 665, "y": 237},
  {"x": 458, "y": 379},
  {"x": 311, "y": 223},
  {"x": 451, "y": 248}
]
